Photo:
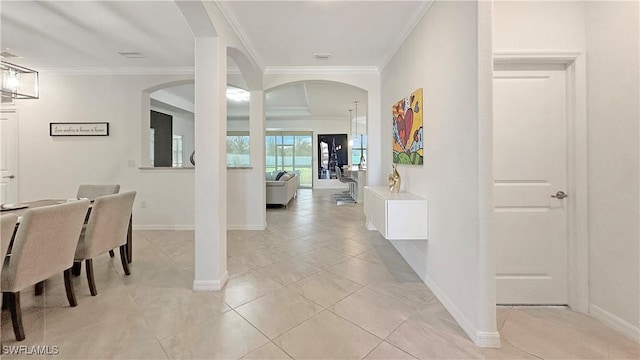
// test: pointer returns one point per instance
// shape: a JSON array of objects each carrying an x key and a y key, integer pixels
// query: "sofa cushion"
[
  {"x": 286, "y": 176},
  {"x": 280, "y": 175}
]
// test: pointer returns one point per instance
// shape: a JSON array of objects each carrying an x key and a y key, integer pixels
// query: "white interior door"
[
  {"x": 8, "y": 157},
  {"x": 530, "y": 168}
]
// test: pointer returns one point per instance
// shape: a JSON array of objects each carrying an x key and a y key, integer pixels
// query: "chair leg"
[
  {"x": 92, "y": 283},
  {"x": 77, "y": 268},
  {"x": 129, "y": 245},
  {"x": 71, "y": 295},
  {"x": 6, "y": 298},
  {"x": 111, "y": 253},
  {"x": 39, "y": 288},
  {"x": 16, "y": 315},
  {"x": 123, "y": 258}
]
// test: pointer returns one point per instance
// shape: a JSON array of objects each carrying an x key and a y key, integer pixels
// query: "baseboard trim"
[
  {"x": 164, "y": 227},
  {"x": 247, "y": 227},
  {"x": 369, "y": 225},
  {"x": 211, "y": 285},
  {"x": 488, "y": 339},
  {"x": 614, "y": 322}
]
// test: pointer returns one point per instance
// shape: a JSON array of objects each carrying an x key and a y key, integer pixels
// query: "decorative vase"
[{"x": 394, "y": 180}]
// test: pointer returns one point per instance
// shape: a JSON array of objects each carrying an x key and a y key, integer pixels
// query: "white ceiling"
[
  {"x": 315, "y": 100},
  {"x": 355, "y": 33},
  {"x": 89, "y": 34}
]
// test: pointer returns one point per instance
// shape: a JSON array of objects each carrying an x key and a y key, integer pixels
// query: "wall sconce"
[{"x": 18, "y": 82}]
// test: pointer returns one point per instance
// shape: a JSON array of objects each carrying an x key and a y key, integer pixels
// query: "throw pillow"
[
  {"x": 285, "y": 177},
  {"x": 280, "y": 175}
]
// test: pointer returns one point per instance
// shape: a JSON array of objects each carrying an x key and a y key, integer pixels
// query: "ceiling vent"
[
  {"x": 8, "y": 55},
  {"x": 322, "y": 56},
  {"x": 132, "y": 54}
]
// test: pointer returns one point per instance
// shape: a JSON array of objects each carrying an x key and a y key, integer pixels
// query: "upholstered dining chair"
[
  {"x": 7, "y": 228},
  {"x": 106, "y": 230},
  {"x": 44, "y": 245},
  {"x": 91, "y": 192}
]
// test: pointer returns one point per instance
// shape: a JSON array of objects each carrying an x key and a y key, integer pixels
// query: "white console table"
[{"x": 397, "y": 216}]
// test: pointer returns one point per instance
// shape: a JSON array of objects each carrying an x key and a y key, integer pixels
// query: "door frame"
[
  {"x": 577, "y": 204},
  {"x": 5, "y": 109}
]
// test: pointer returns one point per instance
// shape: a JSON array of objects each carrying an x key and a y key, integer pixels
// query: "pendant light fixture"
[
  {"x": 18, "y": 82},
  {"x": 363, "y": 163},
  {"x": 350, "y": 119}
]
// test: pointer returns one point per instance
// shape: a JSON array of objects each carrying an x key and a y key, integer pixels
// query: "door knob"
[
  {"x": 560, "y": 195},
  {"x": 8, "y": 177}
]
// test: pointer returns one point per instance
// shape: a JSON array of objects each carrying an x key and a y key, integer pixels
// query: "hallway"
[{"x": 315, "y": 284}]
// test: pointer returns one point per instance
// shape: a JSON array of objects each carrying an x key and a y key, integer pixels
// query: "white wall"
[
  {"x": 440, "y": 56},
  {"x": 613, "y": 112},
  {"x": 538, "y": 25},
  {"x": 53, "y": 167},
  {"x": 183, "y": 125},
  {"x": 607, "y": 31}
]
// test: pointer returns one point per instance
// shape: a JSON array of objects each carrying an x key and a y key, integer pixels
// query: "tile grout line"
[
  {"x": 253, "y": 326},
  {"x": 370, "y": 351},
  {"x": 354, "y": 324}
]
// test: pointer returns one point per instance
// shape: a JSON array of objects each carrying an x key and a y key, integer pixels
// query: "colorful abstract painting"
[{"x": 407, "y": 130}]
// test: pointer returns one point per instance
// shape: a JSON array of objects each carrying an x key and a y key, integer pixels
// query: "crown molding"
[
  {"x": 545, "y": 56},
  {"x": 227, "y": 11},
  {"x": 402, "y": 35},
  {"x": 339, "y": 70},
  {"x": 179, "y": 70}
]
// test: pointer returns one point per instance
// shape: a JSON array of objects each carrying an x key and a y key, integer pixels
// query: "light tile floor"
[{"x": 314, "y": 285}]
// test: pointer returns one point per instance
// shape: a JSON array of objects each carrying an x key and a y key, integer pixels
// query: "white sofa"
[{"x": 280, "y": 192}]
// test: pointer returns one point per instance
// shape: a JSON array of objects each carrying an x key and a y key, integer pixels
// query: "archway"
[
  {"x": 319, "y": 108},
  {"x": 177, "y": 108},
  {"x": 367, "y": 81}
]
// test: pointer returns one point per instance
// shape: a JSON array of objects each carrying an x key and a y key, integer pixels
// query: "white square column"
[{"x": 211, "y": 165}]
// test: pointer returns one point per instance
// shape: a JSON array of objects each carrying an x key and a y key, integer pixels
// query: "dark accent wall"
[
  {"x": 163, "y": 139},
  {"x": 337, "y": 155}
]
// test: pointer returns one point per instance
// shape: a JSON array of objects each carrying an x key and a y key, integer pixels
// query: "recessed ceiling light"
[
  {"x": 131, "y": 54},
  {"x": 322, "y": 56}
]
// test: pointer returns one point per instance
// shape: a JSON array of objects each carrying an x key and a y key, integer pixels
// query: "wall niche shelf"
[{"x": 397, "y": 216}]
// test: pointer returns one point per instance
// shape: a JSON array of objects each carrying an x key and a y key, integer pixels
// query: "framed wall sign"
[{"x": 79, "y": 129}]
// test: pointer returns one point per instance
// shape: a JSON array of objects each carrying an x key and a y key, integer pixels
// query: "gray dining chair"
[
  {"x": 91, "y": 192},
  {"x": 44, "y": 245},
  {"x": 106, "y": 230},
  {"x": 7, "y": 228}
]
